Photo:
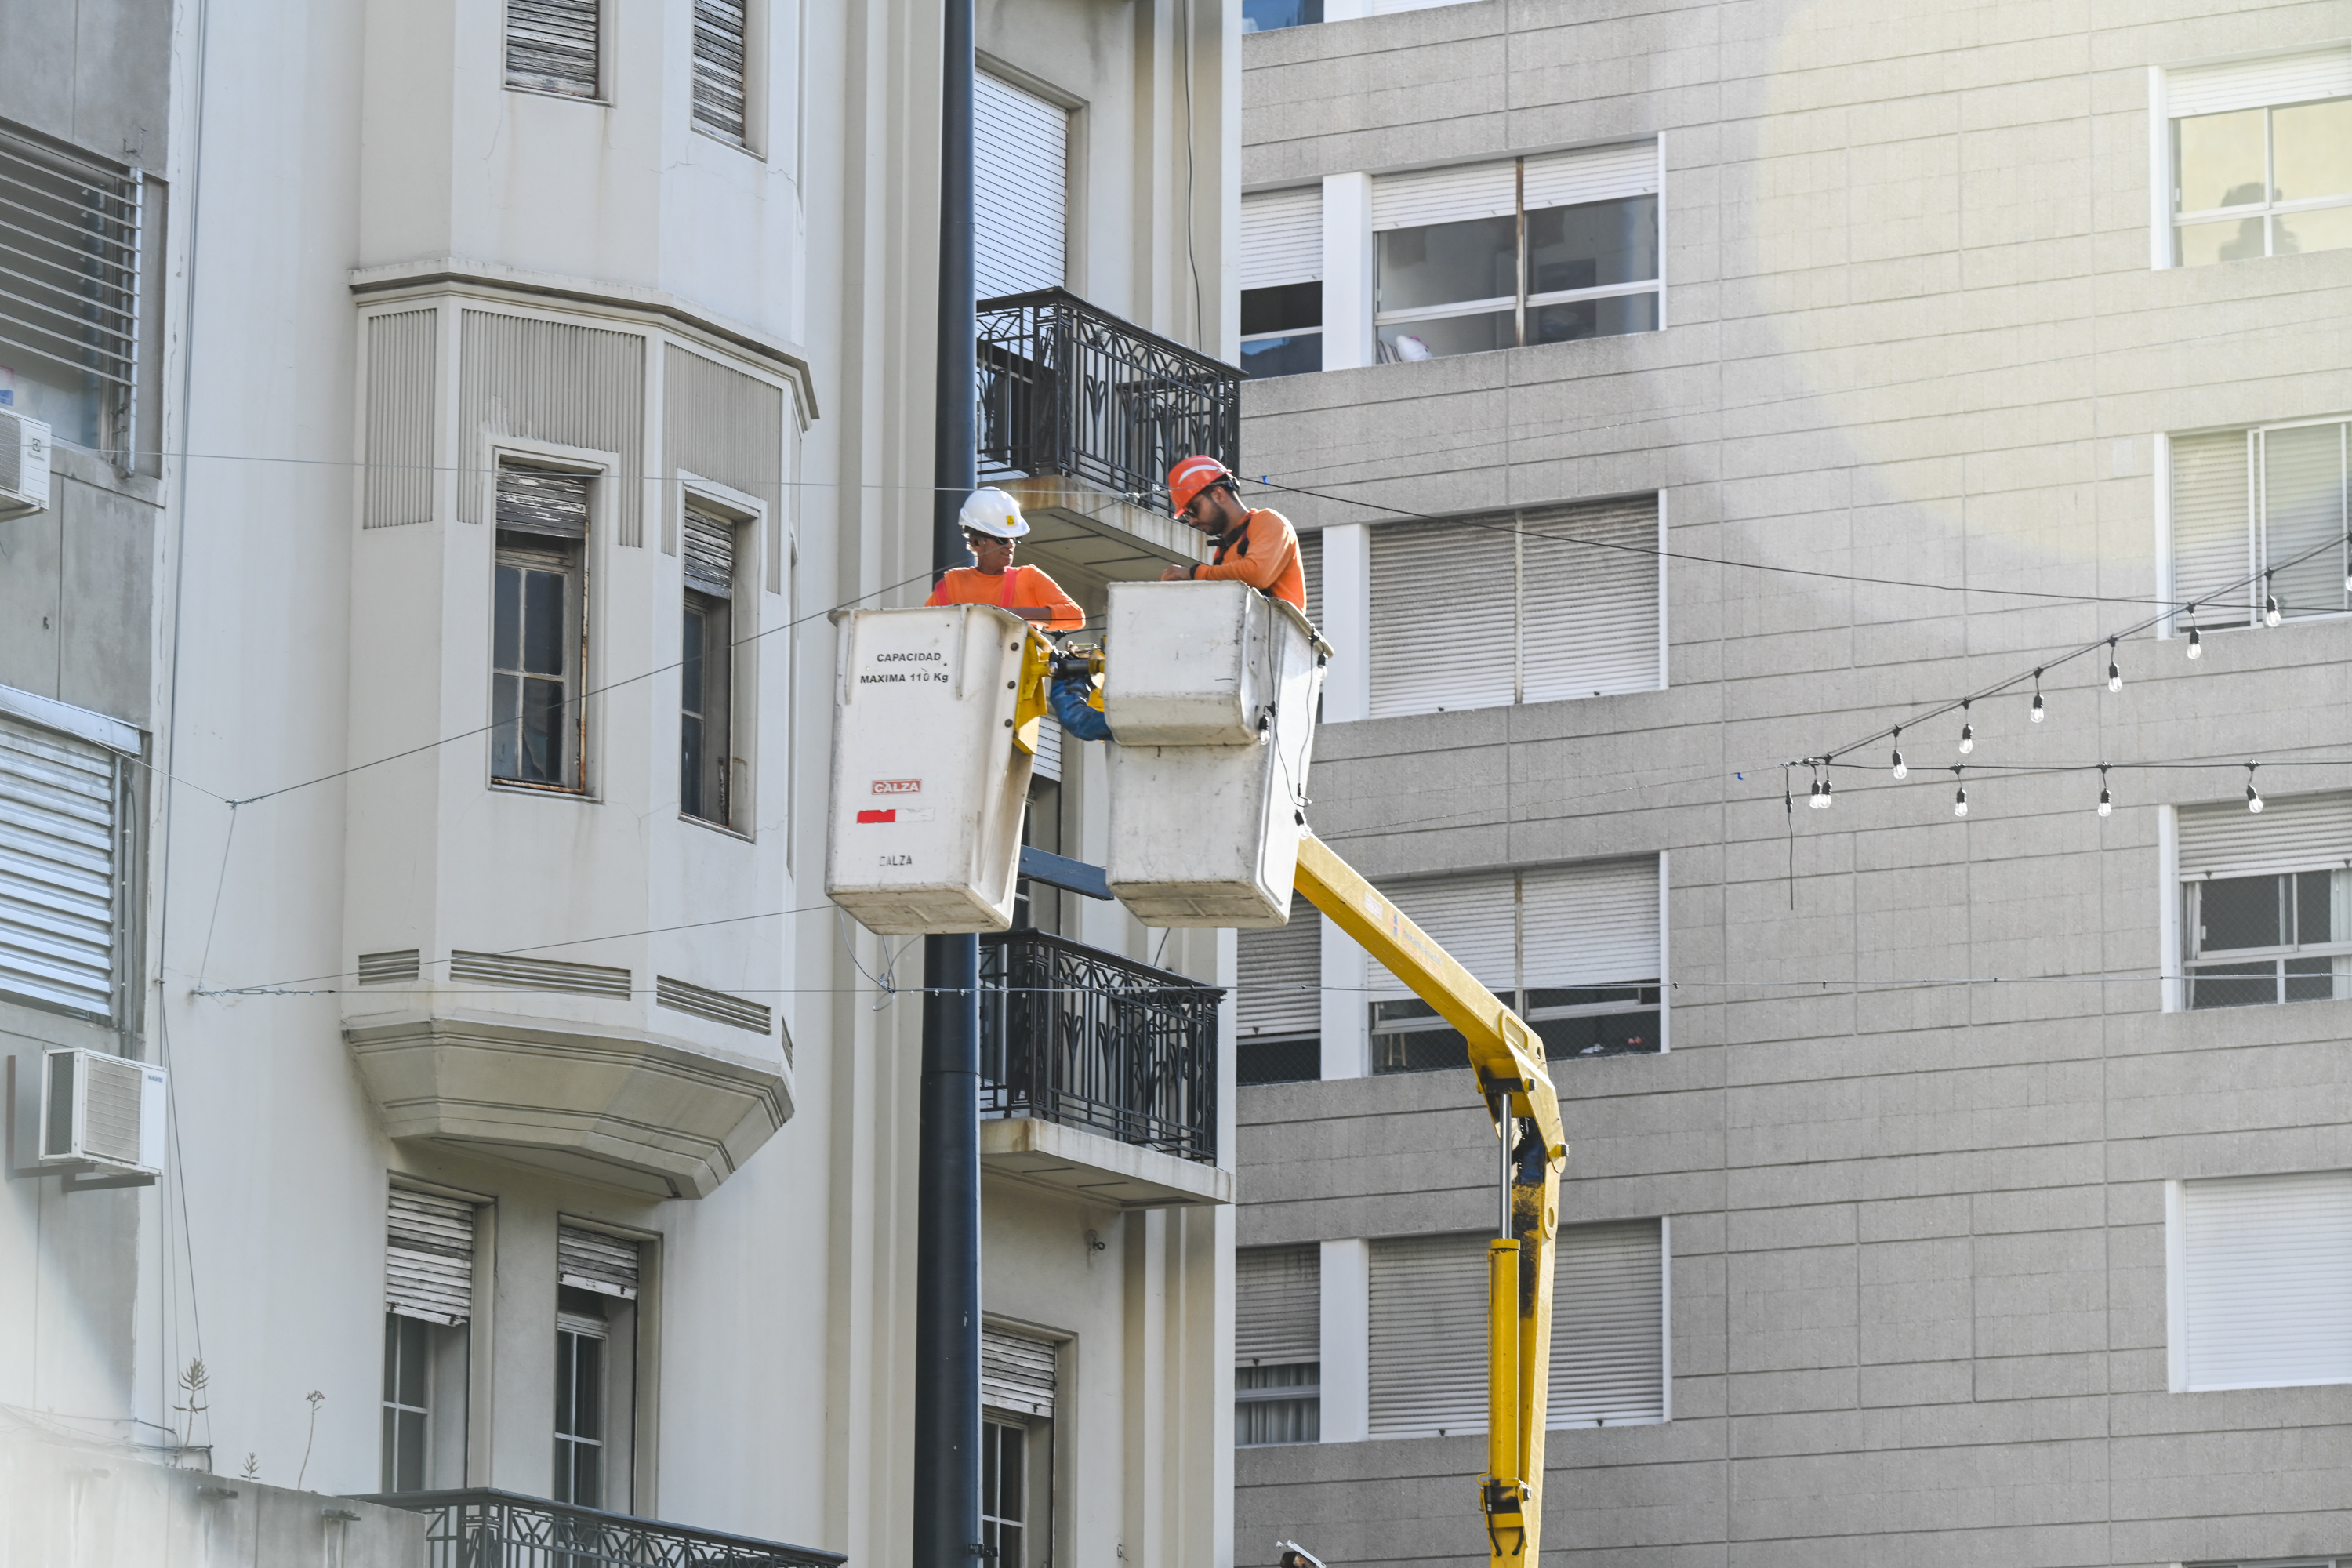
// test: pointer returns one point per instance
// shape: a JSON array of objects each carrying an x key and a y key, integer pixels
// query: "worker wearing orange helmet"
[
  {"x": 992, "y": 521},
  {"x": 1257, "y": 547}
]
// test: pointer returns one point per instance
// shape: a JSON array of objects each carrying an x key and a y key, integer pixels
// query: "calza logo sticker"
[{"x": 898, "y": 787}]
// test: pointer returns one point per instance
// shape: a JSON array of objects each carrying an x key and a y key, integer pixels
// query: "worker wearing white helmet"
[{"x": 992, "y": 521}]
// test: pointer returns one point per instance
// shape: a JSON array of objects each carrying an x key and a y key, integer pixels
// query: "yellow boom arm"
[{"x": 1508, "y": 1060}]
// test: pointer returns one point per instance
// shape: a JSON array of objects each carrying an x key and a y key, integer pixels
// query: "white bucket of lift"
[
  {"x": 928, "y": 786},
  {"x": 1210, "y": 692}
]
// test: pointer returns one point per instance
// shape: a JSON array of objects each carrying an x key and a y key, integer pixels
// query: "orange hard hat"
[{"x": 1191, "y": 477}]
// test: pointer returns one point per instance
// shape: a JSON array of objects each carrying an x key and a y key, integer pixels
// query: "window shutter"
[
  {"x": 1278, "y": 1304},
  {"x": 1451, "y": 194},
  {"x": 590, "y": 1261},
  {"x": 2213, "y": 531},
  {"x": 2302, "y": 516},
  {"x": 1282, "y": 976},
  {"x": 428, "y": 1270},
  {"x": 1020, "y": 190},
  {"x": 1589, "y": 612},
  {"x": 58, "y": 848},
  {"x": 1428, "y": 1335},
  {"x": 719, "y": 68},
  {"x": 710, "y": 552},
  {"x": 1441, "y": 618},
  {"x": 2267, "y": 1280},
  {"x": 533, "y": 500},
  {"x": 1016, "y": 1372},
  {"x": 1591, "y": 924},
  {"x": 1048, "y": 764},
  {"x": 1591, "y": 174},
  {"x": 1470, "y": 915},
  {"x": 1282, "y": 237},
  {"x": 2245, "y": 84},
  {"x": 1608, "y": 1325},
  {"x": 2292, "y": 832},
  {"x": 551, "y": 45},
  {"x": 1310, "y": 568}
]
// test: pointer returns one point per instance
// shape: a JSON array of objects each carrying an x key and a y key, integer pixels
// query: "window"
[
  {"x": 1567, "y": 602},
  {"x": 1021, "y": 160},
  {"x": 70, "y": 309},
  {"x": 2266, "y": 902},
  {"x": 1536, "y": 250},
  {"x": 2261, "y": 156},
  {"x": 719, "y": 92},
  {"x": 2261, "y": 1282},
  {"x": 581, "y": 1335},
  {"x": 539, "y": 627},
  {"x": 552, "y": 46},
  {"x": 1282, "y": 281},
  {"x": 707, "y": 669},
  {"x": 596, "y": 1367},
  {"x": 1277, "y": 1345},
  {"x": 1266, "y": 16},
  {"x": 428, "y": 1305},
  {"x": 2258, "y": 515},
  {"x": 1017, "y": 1380},
  {"x": 1278, "y": 1004},
  {"x": 63, "y": 793},
  {"x": 1003, "y": 1489}
]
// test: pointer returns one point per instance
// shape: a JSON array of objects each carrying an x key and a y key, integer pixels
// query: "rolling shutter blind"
[
  {"x": 709, "y": 556},
  {"x": 1016, "y": 1372},
  {"x": 1445, "y": 195},
  {"x": 2212, "y": 521},
  {"x": 429, "y": 1269},
  {"x": 2294, "y": 833},
  {"x": 1282, "y": 977},
  {"x": 2267, "y": 1280},
  {"x": 57, "y": 846},
  {"x": 2245, "y": 84},
  {"x": 1591, "y": 174},
  {"x": 1020, "y": 189},
  {"x": 1590, "y": 925},
  {"x": 719, "y": 68},
  {"x": 551, "y": 45},
  {"x": 1428, "y": 1335},
  {"x": 1310, "y": 568},
  {"x": 590, "y": 1261},
  {"x": 1441, "y": 602},
  {"x": 534, "y": 500},
  {"x": 2303, "y": 518},
  {"x": 1589, "y": 612},
  {"x": 1608, "y": 1325},
  {"x": 1278, "y": 1304},
  {"x": 1471, "y": 916},
  {"x": 1282, "y": 237}
]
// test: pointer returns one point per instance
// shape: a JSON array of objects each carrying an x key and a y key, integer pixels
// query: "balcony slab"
[
  {"x": 1074, "y": 1163},
  {"x": 1102, "y": 531}
]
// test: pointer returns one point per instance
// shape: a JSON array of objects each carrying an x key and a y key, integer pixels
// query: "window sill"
[
  {"x": 732, "y": 145},
  {"x": 544, "y": 792},
  {"x": 722, "y": 829},
  {"x": 559, "y": 97}
]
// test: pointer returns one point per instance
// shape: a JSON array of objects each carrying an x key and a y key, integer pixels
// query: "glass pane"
[
  {"x": 388, "y": 1475},
  {"x": 1422, "y": 1050},
  {"x": 2219, "y": 985},
  {"x": 689, "y": 765},
  {"x": 543, "y": 622},
  {"x": 588, "y": 1401},
  {"x": 689, "y": 673},
  {"x": 2302, "y": 234},
  {"x": 562, "y": 1489},
  {"x": 1608, "y": 318},
  {"x": 2310, "y": 979},
  {"x": 412, "y": 1361},
  {"x": 2241, "y": 911},
  {"x": 566, "y": 1372},
  {"x": 506, "y": 636},
  {"x": 1283, "y": 356},
  {"x": 991, "y": 1434},
  {"x": 1283, "y": 310},
  {"x": 1610, "y": 1034},
  {"x": 1448, "y": 336},
  {"x": 1297, "y": 1061},
  {"x": 408, "y": 1475},
  {"x": 2311, "y": 150},
  {"x": 545, "y": 719},
  {"x": 1266, "y": 16},
  {"x": 2314, "y": 908},
  {"x": 1446, "y": 263},
  {"x": 1011, "y": 1480},
  {"x": 506, "y": 710},
  {"x": 2302, "y": 518},
  {"x": 2240, "y": 240},
  {"x": 2221, "y": 160},
  {"x": 391, "y": 1358},
  {"x": 1593, "y": 244},
  {"x": 588, "y": 1474}
]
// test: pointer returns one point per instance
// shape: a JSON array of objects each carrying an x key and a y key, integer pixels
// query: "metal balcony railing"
[
  {"x": 1071, "y": 390},
  {"x": 482, "y": 1528},
  {"x": 1071, "y": 1034}
]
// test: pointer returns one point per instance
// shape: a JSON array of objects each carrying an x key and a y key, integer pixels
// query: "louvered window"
[
  {"x": 1278, "y": 1004},
  {"x": 428, "y": 1302},
  {"x": 595, "y": 1261},
  {"x": 539, "y": 629},
  {"x": 707, "y": 667},
  {"x": 1520, "y": 607},
  {"x": 70, "y": 242},
  {"x": 1016, "y": 1372},
  {"x": 552, "y": 46},
  {"x": 720, "y": 93},
  {"x": 2261, "y": 156},
  {"x": 1282, "y": 281},
  {"x": 2259, "y": 516},
  {"x": 1310, "y": 568},
  {"x": 1278, "y": 1345},
  {"x": 1534, "y": 250},
  {"x": 1020, "y": 189},
  {"x": 2261, "y": 1296},
  {"x": 1575, "y": 949},
  {"x": 1608, "y": 1325},
  {"x": 61, "y": 827},
  {"x": 429, "y": 1257},
  {"x": 2266, "y": 902}
]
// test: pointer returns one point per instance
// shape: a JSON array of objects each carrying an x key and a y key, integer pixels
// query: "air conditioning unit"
[
  {"x": 102, "y": 1110},
  {"x": 24, "y": 465}
]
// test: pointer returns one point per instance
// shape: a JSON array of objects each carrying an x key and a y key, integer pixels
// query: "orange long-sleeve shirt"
[
  {"x": 1015, "y": 588},
  {"x": 1264, "y": 554}
]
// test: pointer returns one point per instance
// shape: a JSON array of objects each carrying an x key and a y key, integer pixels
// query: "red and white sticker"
[
  {"x": 898, "y": 787},
  {"x": 896, "y": 813}
]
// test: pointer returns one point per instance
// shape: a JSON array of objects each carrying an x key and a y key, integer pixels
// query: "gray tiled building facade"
[{"x": 1998, "y": 1221}]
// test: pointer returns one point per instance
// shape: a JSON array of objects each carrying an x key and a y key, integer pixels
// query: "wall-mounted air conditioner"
[
  {"x": 102, "y": 1110},
  {"x": 24, "y": 465}
]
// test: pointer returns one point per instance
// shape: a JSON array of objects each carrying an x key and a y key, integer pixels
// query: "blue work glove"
[{"x": 1070, "y": 694}]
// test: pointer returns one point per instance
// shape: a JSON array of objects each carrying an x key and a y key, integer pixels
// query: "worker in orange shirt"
[
  {"x": 992, "y": 521},
  {"x": 1257, "y": 547}
]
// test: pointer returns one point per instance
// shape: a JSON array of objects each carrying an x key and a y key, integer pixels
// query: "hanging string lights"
[
  {"x": 1960, "y": 796},
  {"x": 1968, "y": 731},
  {"x": 2254, "y": 796},
  {"x": 2107, "y": 800},
  {"x": 2036, "y": 713},
  {"x": 1898, "y": 770}
]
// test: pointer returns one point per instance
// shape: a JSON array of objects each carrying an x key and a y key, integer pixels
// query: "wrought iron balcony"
[
  {"x": 482, "y": 1528},
  {"x": 1071, "y": 390},
  {"x": 1074, "y": 1034}
]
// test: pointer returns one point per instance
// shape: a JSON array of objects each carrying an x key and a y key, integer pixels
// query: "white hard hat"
[{"x": 991, "y": 511}]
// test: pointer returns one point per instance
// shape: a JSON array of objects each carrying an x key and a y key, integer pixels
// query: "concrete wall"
[{"x": 1918, "y": 1273}]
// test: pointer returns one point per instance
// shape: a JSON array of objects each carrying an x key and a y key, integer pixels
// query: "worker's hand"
[{"x": 1176, "y": 574}]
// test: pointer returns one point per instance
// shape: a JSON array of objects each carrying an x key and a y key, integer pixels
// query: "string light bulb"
[
  {"x": 1826, "y": 800},
  {"x": 1968, "y": 731},
  {"x": 1897, "y": 768},
  {"x": 2270, "y": 602},
  {"x": 2254, "y": 796},
  {"x": 2114, "y": 671},
  {"x": 2036, "y": 713},
  {"x": 1960, "y": 797},
  {"x": 2196, "y": 643},
  {"x": 2107, "y": 800}
]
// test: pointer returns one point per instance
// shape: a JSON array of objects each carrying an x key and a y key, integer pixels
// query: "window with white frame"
[
  {"x": 2261, "y": 156},
  {"x": 1277, "y": 1345},
  {"x": 553, "y": 45},
  {"x": 1282, "y": 281},
  {"x": 1564, "y": 602},
  {"x": 1278, "y": 1001},
  {"x": 1019, "y": 1382},
  {"x": 429, "y": 1263},
  {"x": 1539, "y": 249},
  {"x": 2266, "y": 902},
  {"x": 1574, "y": 949},
  {"x": 598, "y": 1278},
  {"x": 538, "y": 632},
  {"x": 720, "y": 93},
  {"x": 2260, "y": 521},
  {"x": 70, "y": 307},
  {"x": 706, "y": 666},
  {"x": 64, "y": 798},
  {"x": 2261, "y": 1280}
]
